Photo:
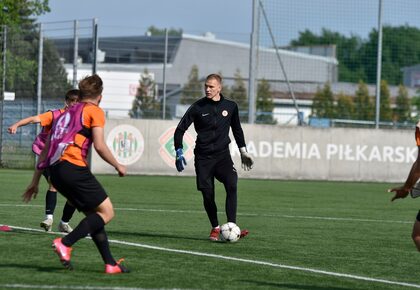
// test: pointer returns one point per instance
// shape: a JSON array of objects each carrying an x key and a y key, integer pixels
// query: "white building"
[{"x": 125, "y": 58}]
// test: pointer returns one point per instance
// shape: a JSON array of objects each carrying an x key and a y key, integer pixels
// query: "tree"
[
  {"x": 54, "y": 77},
  {"x": 362, "y": 103},
  {"x": 402, "y": 110},
  {"x": 192, "y": 91},
  {"x": 323, "y": 102},
  {"x": 399, "y": 49},
  {"x": 350, "y": 67},
  {"x": 345, "y": 107},
  {"x": 19, "y": 12},
  {"x": 357, "y": 57},
  {"x": 225, "y": 89},
  {"x": 265, "y": 103},
  {"x": 385, "y": 113},
  {"x": 22, "y": 52},
  {"x": 415, "y": 101},
  {"x": 145, "y": 104},
  {"x": 154, "y": 31},
  {"x": 238, "y": 94}
]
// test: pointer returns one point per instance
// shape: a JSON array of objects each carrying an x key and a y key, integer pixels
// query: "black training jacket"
[{"x": 212, "y": 121}]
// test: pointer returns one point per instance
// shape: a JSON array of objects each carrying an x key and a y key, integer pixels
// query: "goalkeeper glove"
[
  {"x": 180, "y": 160},
  {"x": 246, "y": 159}
]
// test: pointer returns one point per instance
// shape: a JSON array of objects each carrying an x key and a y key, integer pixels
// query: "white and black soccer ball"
[{"x": 230, "y": 232}]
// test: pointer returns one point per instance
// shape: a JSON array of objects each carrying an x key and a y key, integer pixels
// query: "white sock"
[{"x": 49, "y": 216}]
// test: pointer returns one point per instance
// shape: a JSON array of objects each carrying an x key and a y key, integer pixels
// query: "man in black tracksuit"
[{"x": 213, "y": 116}]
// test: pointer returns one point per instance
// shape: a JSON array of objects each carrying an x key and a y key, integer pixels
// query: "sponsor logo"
[
  {"x": 167, "y": 148},
  {"x": 225, "y": 113},
  {"x": 126, "y": 143},
  {"x": 206, "y": 114}
]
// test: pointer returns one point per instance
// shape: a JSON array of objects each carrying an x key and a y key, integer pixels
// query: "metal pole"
[
  {"x": 164, "y": 75},
  {"x": 3, "y": 89},
  {"x": 94, "y": 45},
  {"x": 253, "y": 61},
  {"x": 39, "y": 81},
  {"x": 76, "y": 52},
  {"x": 4, "y": 50},
  {"x": 379, "y": 67}
]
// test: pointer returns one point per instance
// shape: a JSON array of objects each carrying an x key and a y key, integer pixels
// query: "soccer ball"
[{"x": 230, "y": 232}]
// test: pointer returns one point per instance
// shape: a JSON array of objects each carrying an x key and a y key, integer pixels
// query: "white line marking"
[
  {"x": 256, "y": 262},
  {"x": 244, "y": 214}
]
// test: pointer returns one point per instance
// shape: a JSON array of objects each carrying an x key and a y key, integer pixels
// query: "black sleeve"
[
  {"x": 237, "y": 131},
  {"x": 183, "y": 125}
]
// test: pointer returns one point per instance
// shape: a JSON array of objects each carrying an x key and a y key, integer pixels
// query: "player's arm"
[
  {"x": 30, "y": 120},
  {"x": 104, "y": 152},
  {"x": 32, "y": 189},
  {"x": 183, "y": 126},
  {"x": 237, "y": 131},
  {"x": 413, "y": 176},
  {"x": 238, "y": 134}
]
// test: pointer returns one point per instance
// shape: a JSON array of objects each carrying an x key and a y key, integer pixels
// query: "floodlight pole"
[
  {"x": 4, "y": 58},
  {"x": 3, "y": 88},
  {"x": 379, "y": 67},
  {"x": 164, "y": 75},
  {"x": 253, "y": 61},
  {"x": 75, "y": 52},
  {"x": 39, "y": 80},
  {"x": 94, "y": 45}
]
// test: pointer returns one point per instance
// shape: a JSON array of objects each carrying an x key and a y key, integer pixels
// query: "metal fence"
[
  {"x": 356, "y": 40},
  {"x": 34, "y": 80},
  {"x": 296, "y": 46}
]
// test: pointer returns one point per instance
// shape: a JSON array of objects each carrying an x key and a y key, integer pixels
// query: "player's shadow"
[
  {"x": 293, "y": 286},
  {"x": 114, "y": 234},
  {"x": 32, "y": 266}
]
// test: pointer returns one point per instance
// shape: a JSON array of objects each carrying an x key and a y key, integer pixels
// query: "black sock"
[
  {"x": 231, "y": 203},
  {"x": 68, "y": 212},
  {"x": 88, "y": 225},
  {"x": 50, "y": 201},
  {"x": 101, "y": 241},
  {"x": 210, "y": 205}
]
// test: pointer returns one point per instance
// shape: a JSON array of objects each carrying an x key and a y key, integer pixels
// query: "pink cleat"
[
  {"x": 63, "y": 252},
  {"x": 116, "y": 269}
]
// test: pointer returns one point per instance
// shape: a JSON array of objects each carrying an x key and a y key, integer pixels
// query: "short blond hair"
[{"x": 216, "y": 77}]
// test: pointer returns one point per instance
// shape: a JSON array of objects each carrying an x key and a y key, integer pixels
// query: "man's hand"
[
  {"x": 400, "y": 192},
  {"x": 121, "y": 169},
  {"x": 12, "y": 129},
  {"x": 31, "y": 192},
  {"x": 180, "y": 160},
  {"x": 246, "y": 159}
]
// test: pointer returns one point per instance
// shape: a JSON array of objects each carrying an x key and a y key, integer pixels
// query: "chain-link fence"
[
  {"x": 323, "y": 42},
  {"x": 308, "y": 62},
  {"x": 34, "y": 80}
]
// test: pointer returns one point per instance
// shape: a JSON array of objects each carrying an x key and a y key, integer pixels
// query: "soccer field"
[{"x": 303, "y": 235}]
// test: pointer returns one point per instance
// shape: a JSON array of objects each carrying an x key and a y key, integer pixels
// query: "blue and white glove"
[
  {"x": 246, "y": 159},
  {"x": 180, "y": 160}
]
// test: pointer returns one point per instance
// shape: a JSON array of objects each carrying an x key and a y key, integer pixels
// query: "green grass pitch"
[{"x": 304, "y": 235}]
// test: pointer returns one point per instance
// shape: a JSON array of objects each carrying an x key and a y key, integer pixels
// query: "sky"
[{"x": 232, "y": 19}]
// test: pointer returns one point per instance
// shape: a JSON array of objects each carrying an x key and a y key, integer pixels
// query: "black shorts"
[
  {"x": 78, "y": 185},
  {"x": 218, "y": 166},
  {"x": 46, "y": 173}
]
